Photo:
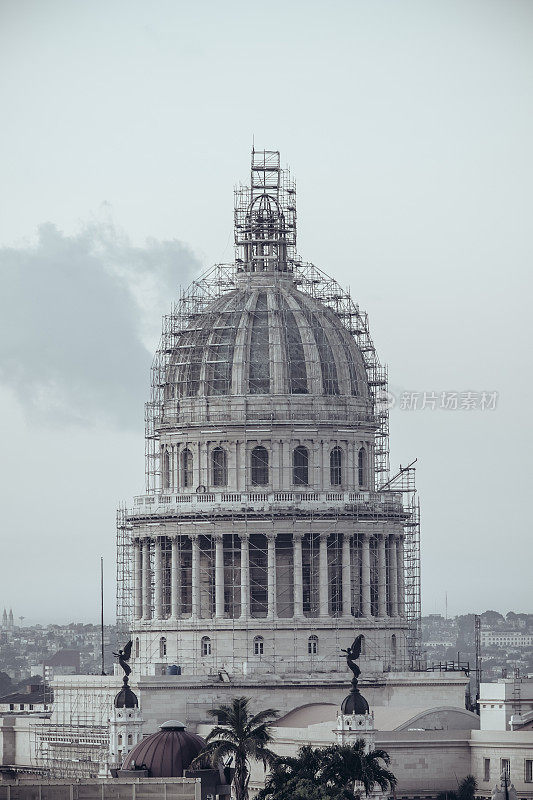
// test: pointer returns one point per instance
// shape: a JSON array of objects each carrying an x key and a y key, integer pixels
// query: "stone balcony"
[{"x": 221, "y": 503}]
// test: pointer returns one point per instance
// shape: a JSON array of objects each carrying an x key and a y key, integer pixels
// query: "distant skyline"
[{"x": 408, "y": 128}]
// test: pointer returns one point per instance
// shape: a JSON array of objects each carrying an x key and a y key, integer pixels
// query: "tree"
[
  {"x": 239, "y": 737},
  {"x": 466, "y": 790},
  {"x": 328, "y": 773}
]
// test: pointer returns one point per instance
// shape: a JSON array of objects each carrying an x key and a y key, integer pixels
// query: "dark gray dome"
[
  {"x": 266, "y": 339},
  {"x": 355, "y": 703},
  {"x": 126, "y": 698},
  {"x": 167, "y": 753}
]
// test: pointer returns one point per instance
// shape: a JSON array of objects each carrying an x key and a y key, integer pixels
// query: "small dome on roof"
[
  {"x": 126, "y": 698},
  {"x": 167, "y": 753},
  {"x": 355, "y": 703}
]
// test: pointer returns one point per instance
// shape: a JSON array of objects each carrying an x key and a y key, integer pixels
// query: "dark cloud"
[{"x": 79, "y": 316}]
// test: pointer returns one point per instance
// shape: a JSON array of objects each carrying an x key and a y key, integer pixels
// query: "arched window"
[
  {"x": 335, "y": 466},
  {"x": 162, "y": 647},
  {"x": 300, "y": 466},
  {"x": 186, "y": 469},
  {"x": 130, "y": 738},
  {"x": 259, "y": 466},
  {"x": 206, "y": 646},
  {"x": 166, "y": 469},
  {"x": 119, "y": 738},
  {"x": 361, "y": 466},
  {"x": 259, "y": 646},
  {"x": 137, "y": 648},
  {"x": 393, "y": 644},
  {"x": 219, "y": 467},
  {"x": 312, "y": 645}
]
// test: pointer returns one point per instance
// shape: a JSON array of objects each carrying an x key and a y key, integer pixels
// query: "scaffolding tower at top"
[{"x": 265, "y": 217}]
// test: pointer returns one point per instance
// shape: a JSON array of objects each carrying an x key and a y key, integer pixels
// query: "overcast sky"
[{"x": 408, "y": 127}]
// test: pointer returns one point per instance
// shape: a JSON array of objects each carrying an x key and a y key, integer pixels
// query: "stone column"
[
  {"x": 323, "y": 582},
  {"x": 175, "y": 451},
  {"x": 276, "y": 466},
  {"x": 298, "y": 608},
  {"x": 195, "y": 577},
  {"x": 137, "y": 579},
  {"x": 196, "y": 469},
  {"x": 219, "y": 575},
  {"x": 366, "y": 607},
  {"x": 315, "y": 473},
  {"x": 401, "y": 576},
  {"x": 175, "y": 582},
  {"x": 348, "y": 479},
  {"x": 271, "y": 574},
  {"x": 325, "y": 467},
  {"x": 382, "y": 577},
  {"x": 233, "y": 483},
  {"x": 245, "y": 575},
  {"x": 205, "y": 471},
  {"x": 346, "y": 575},
  {"x": 158, "y": 582},
  {"x": 393, "y": 569},
  {"x": 147, "y": 580}
]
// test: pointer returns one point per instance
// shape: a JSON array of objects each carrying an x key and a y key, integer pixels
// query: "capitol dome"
[
  {"x": 270, "y": 530},
  {"x": 266, "y": 337}
]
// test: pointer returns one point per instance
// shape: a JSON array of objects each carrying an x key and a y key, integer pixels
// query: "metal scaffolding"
[{"x": 204, "y": 321}]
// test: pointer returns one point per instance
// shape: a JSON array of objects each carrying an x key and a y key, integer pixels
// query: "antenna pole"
[{"x": 102, "y": 611}]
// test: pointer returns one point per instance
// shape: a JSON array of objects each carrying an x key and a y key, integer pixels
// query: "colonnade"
[{"x": 372, "y": 579}]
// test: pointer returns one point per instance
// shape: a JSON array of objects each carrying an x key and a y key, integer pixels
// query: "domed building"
[{"x": 270, "y": 532}]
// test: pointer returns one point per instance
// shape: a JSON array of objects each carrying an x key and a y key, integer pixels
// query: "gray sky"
[{"x": 125, "y": 125}]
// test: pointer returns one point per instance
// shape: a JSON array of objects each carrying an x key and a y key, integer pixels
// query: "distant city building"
[
  {"x": 35, "y": 698},
  {"x": 506, "y": 638}
]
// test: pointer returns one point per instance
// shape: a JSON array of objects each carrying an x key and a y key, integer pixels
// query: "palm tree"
[
  {"x": 329, "y": 773},
  {"x": 466, "y": 790},
  {"x": 239, "y": 736}
]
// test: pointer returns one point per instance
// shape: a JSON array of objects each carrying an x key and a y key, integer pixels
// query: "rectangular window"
[
  {"x": 486, "y": 769},
  {"x": 528, "y": 770},
  {"x": 505, "y": 766}
]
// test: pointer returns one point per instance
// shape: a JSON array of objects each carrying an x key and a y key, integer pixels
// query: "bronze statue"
[
  {"x": 124, "y": 656},
  {"x": 355, "y": 703},
  {"x": 352, "y": 654}
]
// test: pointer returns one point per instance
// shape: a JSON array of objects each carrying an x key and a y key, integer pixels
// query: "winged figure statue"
[
  {"x": 352, "y": 654},
  {"x": 124, "y": 656}
]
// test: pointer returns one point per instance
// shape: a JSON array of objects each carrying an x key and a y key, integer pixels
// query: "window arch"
[
  {"x": 137, "y": 647},
  {"x": 312, "y": 645},
  {"x": 335, "y": 466},
  {"x": 206, "y": 646},
  {"x": 300, "y": 466},
  {"x": 166, "y": 468},
  {"x": 219, "y": 467},
  {"x": 393, "y": 644},
  {"x": 162, "y": 646},
  {"x": 119, "y": 738},
  {"x": 186, "y": 468},
  {"x": 259, "y": 466},
  {"x": 130, "y": 738},
  {"x": 259, "y": 646},
  {"x": 361, "y": 467}
]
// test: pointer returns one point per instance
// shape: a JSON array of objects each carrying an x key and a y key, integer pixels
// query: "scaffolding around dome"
[{"x": 161, "y": 478}]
